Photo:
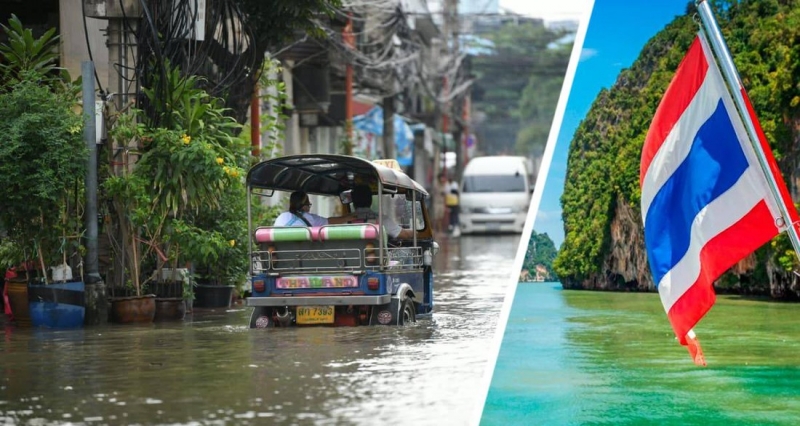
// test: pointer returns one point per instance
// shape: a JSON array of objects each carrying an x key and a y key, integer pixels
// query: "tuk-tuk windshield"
[{"x": 399, "y": 208}]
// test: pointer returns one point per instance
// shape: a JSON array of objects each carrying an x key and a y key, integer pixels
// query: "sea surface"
[{"x": 605, "y": 358}]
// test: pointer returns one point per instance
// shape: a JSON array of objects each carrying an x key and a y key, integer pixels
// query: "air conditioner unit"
[{"x": 112, "y": 9}]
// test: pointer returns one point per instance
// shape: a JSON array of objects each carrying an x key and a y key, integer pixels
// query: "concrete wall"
[{"x": 74, "y": 48}]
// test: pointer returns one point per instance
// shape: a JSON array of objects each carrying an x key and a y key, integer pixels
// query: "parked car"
[
  {"x": 344, "y": 274},
  {"x": 495, "y": 194}
]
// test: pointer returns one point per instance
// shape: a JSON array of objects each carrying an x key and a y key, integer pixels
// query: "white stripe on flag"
[
  {"x": 677, "y": 144},
  {"x": 723, "y": 212}
]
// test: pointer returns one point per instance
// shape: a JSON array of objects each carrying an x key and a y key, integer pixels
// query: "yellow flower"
[
  {"x": 227, "y": 170},
  {"x": 220, "y": 160},
  {"x": 186, "y": 139},
  {"x": 232, "y": 242}
]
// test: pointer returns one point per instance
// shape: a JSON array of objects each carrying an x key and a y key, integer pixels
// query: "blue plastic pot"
[{"x": 59, "y": 305}]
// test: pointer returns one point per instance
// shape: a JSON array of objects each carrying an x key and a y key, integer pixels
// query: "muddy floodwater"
[{"x": 211, "y": 369}]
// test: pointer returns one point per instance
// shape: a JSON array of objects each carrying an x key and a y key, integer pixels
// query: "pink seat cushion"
[{"x": 269, "y": 234}]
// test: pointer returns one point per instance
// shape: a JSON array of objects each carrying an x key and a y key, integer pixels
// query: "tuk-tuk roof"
[{"x": 327, "y": 174}]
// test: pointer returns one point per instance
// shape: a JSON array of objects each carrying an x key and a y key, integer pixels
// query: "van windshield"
[{"x": 494, "y": 183}]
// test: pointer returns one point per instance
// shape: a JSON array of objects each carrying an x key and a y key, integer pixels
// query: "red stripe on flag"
[
  {"x": 719, "y": 254},
  {"x": 687, "y": 81},
  {"x": 786, "y": 199}
]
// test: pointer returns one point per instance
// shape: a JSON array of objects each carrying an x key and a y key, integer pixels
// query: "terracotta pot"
[
  {"x": 133, "y": 309},
  {"x": 170, "y": 309},
  {"x": 18, "y": 301}
]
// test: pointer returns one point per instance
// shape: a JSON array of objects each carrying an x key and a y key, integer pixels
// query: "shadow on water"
[{"x": 212, "y": 369}]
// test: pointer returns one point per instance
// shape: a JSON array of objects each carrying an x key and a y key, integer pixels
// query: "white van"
[{"x": 495, "y": 194}]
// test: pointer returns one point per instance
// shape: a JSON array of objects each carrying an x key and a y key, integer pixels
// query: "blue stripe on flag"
[{"x": 714, "y": 164}]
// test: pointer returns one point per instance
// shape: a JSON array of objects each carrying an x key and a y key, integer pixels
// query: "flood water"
[
  {"x": 604, "y": 358},
  {"x": 211, "y": 369}
]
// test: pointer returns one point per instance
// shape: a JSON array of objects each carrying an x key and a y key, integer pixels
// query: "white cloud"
[
  {"x": 588, "y": 53},
  {"x": 550, "y": 10}
]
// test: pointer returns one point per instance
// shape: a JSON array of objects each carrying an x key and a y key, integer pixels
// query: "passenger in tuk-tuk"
[
  {"x": 362, "y": 201},
  {"x": 299, "y": 215}
]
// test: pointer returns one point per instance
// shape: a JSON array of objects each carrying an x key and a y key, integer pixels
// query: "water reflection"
[{"x": 212, "y": 369}]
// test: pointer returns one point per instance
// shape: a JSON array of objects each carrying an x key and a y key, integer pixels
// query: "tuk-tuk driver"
[{"x": 362, "y": 201}]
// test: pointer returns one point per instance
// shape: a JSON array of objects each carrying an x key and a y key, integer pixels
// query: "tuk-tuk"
[{"x": 344, "y": 274}]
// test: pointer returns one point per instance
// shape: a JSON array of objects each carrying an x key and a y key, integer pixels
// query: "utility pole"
[
  {"x": 449, "y": 28},
  {"x": 255, "y": 122},
  {"x": 350, "y": 42},
  {"x": 388, "y": 127},
  {"x": 95, "y": 289}
]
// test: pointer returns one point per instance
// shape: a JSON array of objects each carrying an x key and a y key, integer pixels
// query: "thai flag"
[{"x": 706, "y": 203}]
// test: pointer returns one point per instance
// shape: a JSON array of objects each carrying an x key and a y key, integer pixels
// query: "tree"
[
  {"x": 518, "y": 85},
  {"x": 541, "y": 251}
]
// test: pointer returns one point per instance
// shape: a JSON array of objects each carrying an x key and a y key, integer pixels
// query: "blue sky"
[{"x": 618, "y": 29}]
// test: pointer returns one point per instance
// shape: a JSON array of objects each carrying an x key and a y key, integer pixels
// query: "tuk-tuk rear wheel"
[{"x": 407, "y": 312}]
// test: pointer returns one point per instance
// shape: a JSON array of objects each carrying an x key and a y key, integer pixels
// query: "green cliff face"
[{"x": 603, "y": 246}]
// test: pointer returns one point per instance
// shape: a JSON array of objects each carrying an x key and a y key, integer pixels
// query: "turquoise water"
[{"x": 603, "y": 358}]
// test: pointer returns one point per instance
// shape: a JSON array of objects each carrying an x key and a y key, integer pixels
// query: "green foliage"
[
  {"x": 517, "y": 87},
  {"x": 228, "y": 262},
  {"x": 538, "y": 102},
  {"x": 187, "y": 169},
  {"x": 278, "y": 21},
  {"x": 271, "y": 122},
  {"x": 23, "y": 54},
  {"x": 604, "y": 154},
  {"x": 42, "y": 157},
  {"x": 273, "y": 118},
  {"x": 11, "y": 255},
  {"x": 540, "y": 251}
]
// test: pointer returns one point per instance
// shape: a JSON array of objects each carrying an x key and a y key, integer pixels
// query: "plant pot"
[
  {"x": 212, "y": 296},
  {"x": 59, "y": 305},
  {"x": 167, "y": 289},
  {"x": 170, "y": 309},
  {"x": 133, "y": 309},
  {"x": 18, "y": 301}
]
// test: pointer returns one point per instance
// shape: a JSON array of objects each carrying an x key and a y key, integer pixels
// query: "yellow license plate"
[{"x": 315, "y": 314}]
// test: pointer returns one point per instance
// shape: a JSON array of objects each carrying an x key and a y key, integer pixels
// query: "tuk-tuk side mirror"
[{"x": 346, "y": 197}]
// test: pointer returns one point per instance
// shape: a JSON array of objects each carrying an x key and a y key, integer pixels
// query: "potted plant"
[
  {"x": 221, "y": 271},
  {"x": 43, "y": 156},
  {"x": 186, "y": 152}
]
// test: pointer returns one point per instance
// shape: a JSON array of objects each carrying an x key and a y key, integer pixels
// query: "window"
[{"x": 494, "y": 183}]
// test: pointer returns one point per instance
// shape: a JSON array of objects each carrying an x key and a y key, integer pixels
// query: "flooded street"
[{"x": 212, "y": 369}]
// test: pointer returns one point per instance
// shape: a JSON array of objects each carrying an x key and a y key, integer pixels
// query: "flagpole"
[{"x": 734, "y": 83}]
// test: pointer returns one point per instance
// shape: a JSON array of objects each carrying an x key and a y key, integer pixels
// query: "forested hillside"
[{"x": 540, "y": 253}]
